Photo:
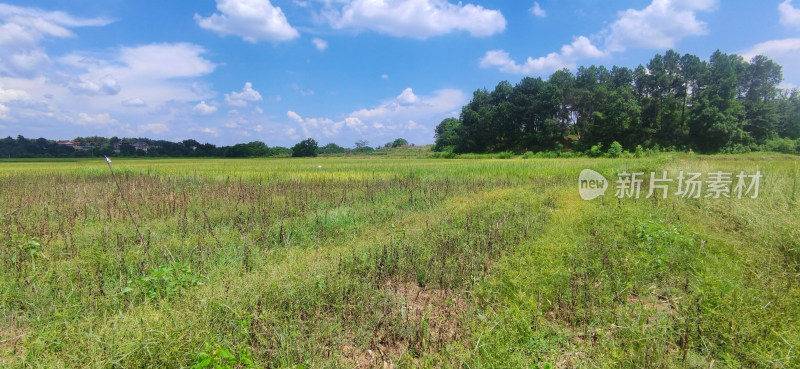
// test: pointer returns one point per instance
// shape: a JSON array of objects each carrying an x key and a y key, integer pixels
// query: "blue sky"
[{"x": 278, "y": 71}]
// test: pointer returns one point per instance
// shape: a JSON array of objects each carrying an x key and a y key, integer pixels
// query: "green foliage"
[
  {"x": 24, "y": 250},
  {"x": 331, "y": 148},
  {"x": 164, "y": 281},
  {"x": 215, "y": 357},
  {"x": 615, "y": 150},
  {"x": 639, "y": 151},
  {"x": 305, "y": 148},
  {"x": 595, "y": 151},
  {"x": 783, "y": 145},
  {"x": 399, "y": 143},
  {"x": 675, "y": 101}
]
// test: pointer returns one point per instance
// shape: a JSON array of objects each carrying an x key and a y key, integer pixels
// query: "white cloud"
[
  {"x": 320, "y": 44},
  {"x": 102, "y": 119},
  {"x": 12, "y": 95},
  {"x": 395, "y": 116},
  {"x": 204, "y": 109},
  {"x": 580, "y": 48},
  {"x": 660, "y": 25},
  {"x": 211, "y": 131},
  {"x": 241, "y": 98},
  {"x": 407, "y": 97},
  {"x": 155, "y": 128},
  {"x": 789, "y": 15},
  {"x": 106, "y": 85},
  {"x": 417, "y": 18},
  {"x": 8, "y": 96},
  {"x": 134, "y": 102},
  {"x": 292, "y": 133},
  {"x": 295, "y": 117},
  {"x": 785, "y": 52},
  {"x": 384, "y": 76},
  {"x": 774, "y": 48},
  {"x": 165, "y": 60},
  {"x": 253, "y": 20},
  {"x": 537, "y": 10},
  {"x": 21, "y": 31}
]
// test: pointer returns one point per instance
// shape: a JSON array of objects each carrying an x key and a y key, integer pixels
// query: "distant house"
[
  {"x": 75, "y": 145},
  {"x": 141, "y": 146}
]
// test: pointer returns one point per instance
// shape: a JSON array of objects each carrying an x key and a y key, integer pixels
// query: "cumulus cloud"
[
  {"x": 8, "y": 96},
  {"x": 407, "y": 97},
  {"x": 23, "y": 28},
  {"x": 252, "y": 20},
  {"x": 416, "y": 18},
  {"x": 537, "y": 10},
  {"x": 204, "y": 109},
  {"x": 320, "y": 44},
  {"x": 580, "y": 48},
  {"x": 789, "y": 15},
  {"x": 395, "y": 116},
  {"x": 102, "y": 119},
  {"x": 106, "y": 85},
  {"x": 659, "y": 25},
  {"x": 241, "y": 98}
]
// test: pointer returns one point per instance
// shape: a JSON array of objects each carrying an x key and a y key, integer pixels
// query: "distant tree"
[
  {"x": 446, "y": 135},
  {"x": 331, "y": 148},
  {"x": 363, "y": 146},
  {"x": 280, "y": 151},
  {"x": 360, "y": 144},
  {"x": 399, "y": 142},
  {"x": 305, "y": 148}
]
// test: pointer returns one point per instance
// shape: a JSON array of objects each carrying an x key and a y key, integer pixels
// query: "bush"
[
  {"x": 783, "y": 145},
  {"x": 504, "y": 155},
  {"x": 639, "y": 152},
  {"x": 596, "y": 151},
  {"x": 615, "y": 150}
]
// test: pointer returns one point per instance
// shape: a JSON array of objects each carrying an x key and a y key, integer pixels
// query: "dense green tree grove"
[{"x": 677, "y": 101}]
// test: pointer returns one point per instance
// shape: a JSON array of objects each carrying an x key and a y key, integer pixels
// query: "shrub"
[
  {"x": 596, "y": 151},
  {"x": 783, "y": 145},
  {"x": 615, "y": 150},
  {"x": 639, "y": 152}
]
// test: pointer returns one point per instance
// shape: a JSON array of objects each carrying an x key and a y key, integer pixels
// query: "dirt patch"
[{"x": 417, "y": 321}]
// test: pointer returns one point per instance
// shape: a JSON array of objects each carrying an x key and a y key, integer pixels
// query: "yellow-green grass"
[{"x": 376, "y": 261}]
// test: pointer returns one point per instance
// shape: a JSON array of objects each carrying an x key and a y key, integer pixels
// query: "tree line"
[
  {"x": 97, "y": 146},
  {"x": 680, "y": 102}
]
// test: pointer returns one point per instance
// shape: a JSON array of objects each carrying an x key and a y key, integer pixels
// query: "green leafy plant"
[
  {"x": 596, "y": 151},
  {"x": 164, "y": 281},
  {"x": 27, "y": 249},
  {"x": 221, "y": 358},
  {"x": 615, "y": 150}
]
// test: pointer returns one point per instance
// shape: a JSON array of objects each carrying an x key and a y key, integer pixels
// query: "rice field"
[{"x": 394, "y": 262}]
